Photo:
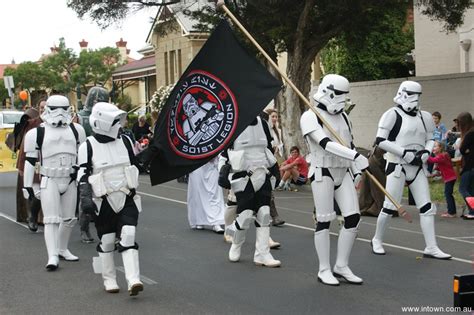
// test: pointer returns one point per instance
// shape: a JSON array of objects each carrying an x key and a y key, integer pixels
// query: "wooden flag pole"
[{"x": 221, "y": 5}]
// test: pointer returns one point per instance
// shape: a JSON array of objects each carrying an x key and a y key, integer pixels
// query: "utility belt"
[
  {"x": 128, "y": 182},
  {"x": 257, "y": 176},
  {"x": 56, "y": 171},
  {"x": 117, "y": 195}
]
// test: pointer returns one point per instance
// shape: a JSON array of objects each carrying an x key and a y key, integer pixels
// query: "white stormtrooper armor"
[
  {"x": 333, "y": 166},
  {"x": 54, "y": 144},
  {"x": 406, "y": 133},
  {"x": 250, "y": 159},
  {"x": 108, "y": 180}
]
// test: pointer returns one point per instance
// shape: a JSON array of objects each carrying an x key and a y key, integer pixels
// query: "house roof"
[
  {"x": 4, "y": 66},
  {"x": 177, "y": 10},
  {"x": 136, "y": 69}
]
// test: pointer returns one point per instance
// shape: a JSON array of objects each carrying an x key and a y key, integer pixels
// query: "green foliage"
[
  {"x": 95, "y": 67},
  {"x": 3, "y": 94},
  {"x": 30, "y": 76},
  {"x": 64, "y": 72},
  {"x": 378, "y": 54},
  {"x": 124, "y": 102},
  {"x": 60, "y": 66}
]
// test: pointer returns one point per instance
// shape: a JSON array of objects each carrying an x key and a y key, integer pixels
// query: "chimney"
[
  {"x": 122, "y": 47},
  {"x": 83, "y": 44}
]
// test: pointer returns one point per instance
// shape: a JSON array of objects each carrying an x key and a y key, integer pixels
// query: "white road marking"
[
  {"x": 417, "y": 232},
  {"x": 9, "y": 218},
  {"x": 165, "y": 186},
  {"x": 385, "y": 244},
  {"x": 164, "y": 198}
]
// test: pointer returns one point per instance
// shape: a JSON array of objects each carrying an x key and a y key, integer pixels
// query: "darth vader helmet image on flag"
[{"x": 217, "y": 97}]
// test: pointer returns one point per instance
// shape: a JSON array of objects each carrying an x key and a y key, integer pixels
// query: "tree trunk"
[{"x": 289, "y": 104}]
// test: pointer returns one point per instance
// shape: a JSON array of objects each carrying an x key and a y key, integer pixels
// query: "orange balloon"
[{"x": 23, "y": 95}]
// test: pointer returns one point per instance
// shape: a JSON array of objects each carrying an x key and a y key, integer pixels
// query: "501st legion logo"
[{"x": 203, "y": 117}]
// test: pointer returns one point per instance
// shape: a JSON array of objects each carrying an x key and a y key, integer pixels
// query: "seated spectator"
[
  {"x": 294, "y": 170},
  {"x": 141, "y": 128}
]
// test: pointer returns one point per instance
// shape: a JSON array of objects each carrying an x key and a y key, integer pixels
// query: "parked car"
[{"x": 8, "y": 118}]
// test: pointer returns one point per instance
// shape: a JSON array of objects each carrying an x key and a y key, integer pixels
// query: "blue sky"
[{"x": 29, "y": 28}]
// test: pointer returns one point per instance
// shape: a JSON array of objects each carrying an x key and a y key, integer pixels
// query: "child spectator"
[
  {"x": 439, "y": 133},
  {"x": 443, "y": 162},
  {"x": 293, "y": 170}
]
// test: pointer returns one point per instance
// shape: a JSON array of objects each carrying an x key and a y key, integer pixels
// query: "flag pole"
[{"x": 221, "y": 5}]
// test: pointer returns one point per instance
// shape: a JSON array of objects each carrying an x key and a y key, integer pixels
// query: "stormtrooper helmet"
[
  {"x": 408, "y": 96},
  {"x": 57, "y": 112},
  {"x": 332, "y": 93},
  {"x": 190, "y": 105},
  {"x": 106, "y": 119}
]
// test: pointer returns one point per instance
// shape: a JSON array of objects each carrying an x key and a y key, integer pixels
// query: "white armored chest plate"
[
  {"x": 58, "y": 151},
  {"x": 108, "y": 155},
  {"x": 412, "y": 134},
  {"x": 319, "y": 156},
  {"x": 251, "y": 144}
]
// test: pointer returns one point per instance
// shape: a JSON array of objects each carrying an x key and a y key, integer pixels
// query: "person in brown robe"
[
  {"x": 370, "y": 196},
  {"x": 27, "y": 211}
]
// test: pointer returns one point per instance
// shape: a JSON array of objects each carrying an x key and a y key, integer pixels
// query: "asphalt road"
[{"x": 187, "y": 271}]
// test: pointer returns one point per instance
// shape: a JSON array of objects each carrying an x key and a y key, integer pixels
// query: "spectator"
[
  {"x": 466, "y": 127},
  {"x": 439, "y": 133},
  {"x": 444, "y": 165},
  {"x": 271, "y": 117},
  {"x": 294, "y": 170},
  {"x": 275, "y": 131},
  {"x": 141, "y": 128}
]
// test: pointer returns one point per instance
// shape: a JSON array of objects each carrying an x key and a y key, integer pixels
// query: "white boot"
[
  {"x": 262, "y": 256},
  {"x": 237, "y": 242},
  {"x": 377, "y": 240},
  {"x": 273, "y": 244},
  {"x": 427, "y": 227},
  {"x": 322, "y": 245},
  {"x": 108, "y": 272},
  {"x": 51, "y": 241},
  {"x": 132, "y": 271},
  {"x": 344, "y": 247},
  {"x": 65, "y": 230}
]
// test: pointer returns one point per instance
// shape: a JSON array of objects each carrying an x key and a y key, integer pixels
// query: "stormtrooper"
[
  {"x": 202, "y": 121},
  {"x": 334, "y": 172},
  {"x": 253, "y": 169},
  {"x": 54, "y": 145},
  {"x": 406, "y": 133},
  {"x": 108, "y": 178}
]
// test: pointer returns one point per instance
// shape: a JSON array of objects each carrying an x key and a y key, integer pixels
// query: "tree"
[
  {"x": 60, "y": 66},
  {"x": 105, "y": 13},
  {"x": 379, "y": 54},
  {"x": 302, "y": 28},
  {"x": 94, "y": 67}
]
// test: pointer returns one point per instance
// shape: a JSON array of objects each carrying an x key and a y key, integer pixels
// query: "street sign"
[{"x": 8, "y": 81}]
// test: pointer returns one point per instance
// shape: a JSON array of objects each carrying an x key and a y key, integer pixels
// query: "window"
[
  {"x": 172, "y": 65},
  {"x": 167, "y": 82},
  {"x": 180, "y": 68}
]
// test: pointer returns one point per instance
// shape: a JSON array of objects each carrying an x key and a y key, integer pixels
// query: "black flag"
[{"x": 217, "y": 97}]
